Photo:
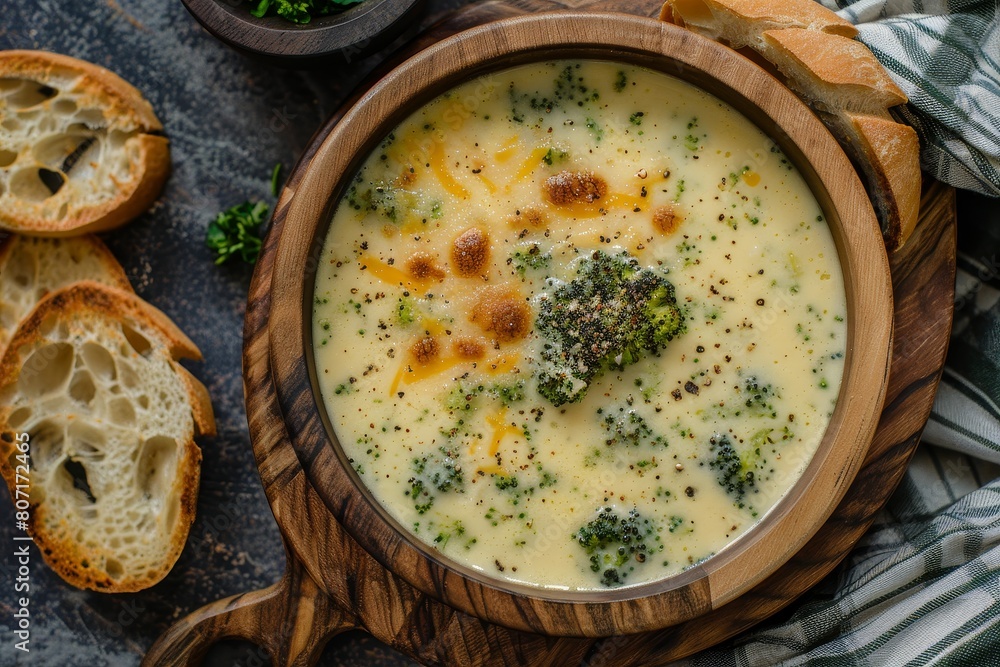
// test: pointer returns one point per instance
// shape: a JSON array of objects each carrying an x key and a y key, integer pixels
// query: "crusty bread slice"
[
  {"x": 832, "y": 71},
  {"x": 92, "y": 377},
  {"x": 80, "y": 149},
  {"x": 741, "y": 22},
  {"x": 32, "y": 267},
  {"x": 889, "y": 153}
]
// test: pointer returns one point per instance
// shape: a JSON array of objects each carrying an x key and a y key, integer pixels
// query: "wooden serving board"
[{"x": 331, "y": 584}]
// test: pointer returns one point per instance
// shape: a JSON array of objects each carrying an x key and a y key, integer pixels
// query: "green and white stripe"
[{"x": 945, "y": 55}]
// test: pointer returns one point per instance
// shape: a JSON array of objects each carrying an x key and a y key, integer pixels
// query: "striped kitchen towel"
[
  {"x": 923, "y": 585},
  {"x": 945, "y": 55}
]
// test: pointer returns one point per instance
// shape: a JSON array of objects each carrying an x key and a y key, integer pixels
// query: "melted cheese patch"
[{"x": 429, "y": 357}]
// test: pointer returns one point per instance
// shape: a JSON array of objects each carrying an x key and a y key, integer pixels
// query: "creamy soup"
[{"x": 578, "y": 324}]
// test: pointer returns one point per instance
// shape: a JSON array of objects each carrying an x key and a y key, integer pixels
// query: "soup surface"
[{"x": 578, "y": 324}]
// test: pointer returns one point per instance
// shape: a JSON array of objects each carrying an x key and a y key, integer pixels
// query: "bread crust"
[
  {"x": 893, "y": 149},
  {"x": 124, "y": 111},
  {"x": 81, "y": 564},
  {"x": 759, "y": 14},
  {"x": 834, "y": 70},
  {"x": 110, "y": 272}
]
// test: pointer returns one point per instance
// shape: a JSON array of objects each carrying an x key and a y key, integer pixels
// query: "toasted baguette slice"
[
  {"x": 831, "y": 71},
  {"x": 741, "y": 22},
  {"x": 91, "y": 377},
  {"x": 80, "y": 149},
  {"x": 30, "y": 268},
  {"x": 891, "y": 165}
]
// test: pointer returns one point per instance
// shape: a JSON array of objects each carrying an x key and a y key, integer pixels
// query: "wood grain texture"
[{"x": 347, "y": 577}]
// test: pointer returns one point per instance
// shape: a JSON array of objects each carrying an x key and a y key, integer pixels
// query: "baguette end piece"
[{"x": 894, "y": 152}]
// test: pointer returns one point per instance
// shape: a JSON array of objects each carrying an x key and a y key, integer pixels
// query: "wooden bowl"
[
  {"x": 717, "y": 70},
  {"x": 347, "y": 36}
]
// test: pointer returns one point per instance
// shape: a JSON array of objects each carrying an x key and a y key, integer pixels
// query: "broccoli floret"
[
  {"x": 757, "y": 397},
  {"x": 615, "y": 545},
  {"x": 505, "y": 482},
  {"x": 508, "y": 393},
  {"x": 441, "y": 471},
  {"x": 735, "y": 470},
  {"x": 627, "y": 427},
  {"x": 532, "y": 259},
  {"x": 454, "y": 529},
  {"x": 465, "y": 397},
  {"x": 606, "y": 317},
  {"x": 554, "y": 156},
  {"x": 406, "y": 312},
  {"x": 393, "y": 203}
]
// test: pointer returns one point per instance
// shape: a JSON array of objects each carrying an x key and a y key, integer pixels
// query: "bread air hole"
[
  {"x": 121, "y": 412},
  {"x": 99, "y": 361},
  {"x": 33, "y": 184},
  {"x": 81, "y": 388},
  {"x": 64, "y": 106},
  {"x": 7, "y": 157},
  {"x": 47, "y": 370},
  {"x": 23, "y": 93},
  {"x": 139, "y": 343},
  {"x": 19, "y": 418},
  {"x": 157, "y": 466},
  {"x": 129, "y": 378},
  {"x": 76, "y": 474}
]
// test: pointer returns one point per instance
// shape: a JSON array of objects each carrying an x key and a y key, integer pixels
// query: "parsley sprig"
[
  {"x": 236, "y": 231},
  {"x": 301, "y": 11}
]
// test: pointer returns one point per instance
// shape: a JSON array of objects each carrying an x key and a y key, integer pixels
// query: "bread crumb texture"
[
  {"x": 80, "y": 149},
  {"x": 91, "y": 377}
]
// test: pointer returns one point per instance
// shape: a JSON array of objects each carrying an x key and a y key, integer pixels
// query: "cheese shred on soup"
[{"x": 578, "y": 324}]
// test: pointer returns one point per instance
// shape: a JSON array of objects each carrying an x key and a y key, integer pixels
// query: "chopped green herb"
[
  {"x": 621, "y": 81},
  {"x": 236, "y": 231},
  {"x": 300, "y": 11},
  {"x": 554, "y": 155},
  {"x": 595, "y": 130}
]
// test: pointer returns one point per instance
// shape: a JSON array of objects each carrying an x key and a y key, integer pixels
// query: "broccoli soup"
[{"x": 578, "y": 324}]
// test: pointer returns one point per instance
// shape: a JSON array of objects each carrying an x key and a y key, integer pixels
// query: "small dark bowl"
[{"x": 347, "y": 36}]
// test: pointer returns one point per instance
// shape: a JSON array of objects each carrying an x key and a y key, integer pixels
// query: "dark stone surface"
[{"x": 229, "y": 119}]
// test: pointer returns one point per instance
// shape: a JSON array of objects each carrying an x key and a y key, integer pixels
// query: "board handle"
[{"x": 292, "y": 620}]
